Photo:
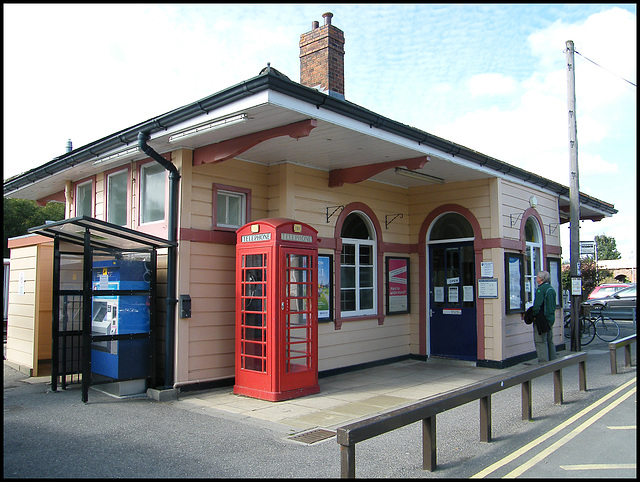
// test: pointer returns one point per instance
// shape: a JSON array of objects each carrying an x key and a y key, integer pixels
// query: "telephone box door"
[
  {"x": 298, "y": 318},
  {"x": 253, "y": 330}
]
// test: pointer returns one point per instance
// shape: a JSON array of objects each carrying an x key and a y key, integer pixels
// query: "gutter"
[{"x": 172, "y": 256}]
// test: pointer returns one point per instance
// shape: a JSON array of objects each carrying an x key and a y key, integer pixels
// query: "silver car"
[{"x": 619, "y": 305}]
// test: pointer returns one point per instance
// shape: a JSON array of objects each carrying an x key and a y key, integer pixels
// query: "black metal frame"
[{"x": 95, "y": 238}]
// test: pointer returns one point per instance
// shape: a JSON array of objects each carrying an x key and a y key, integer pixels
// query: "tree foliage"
[
  {"x": 22, "y": 214},
  {"x": 606, "y": 247}
]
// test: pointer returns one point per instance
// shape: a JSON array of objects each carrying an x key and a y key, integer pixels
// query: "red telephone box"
[{"x": 276, "y": 310}]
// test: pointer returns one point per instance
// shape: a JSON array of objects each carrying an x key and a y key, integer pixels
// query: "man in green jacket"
[{"x": 545, "y": 293}]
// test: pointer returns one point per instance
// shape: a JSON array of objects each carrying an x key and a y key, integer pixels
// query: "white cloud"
[{"x": 491, "y": 84}]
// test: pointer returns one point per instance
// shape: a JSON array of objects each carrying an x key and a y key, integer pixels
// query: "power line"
[{"x": 612, "y": 73}]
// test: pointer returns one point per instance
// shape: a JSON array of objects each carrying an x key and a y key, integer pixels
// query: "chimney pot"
[
  {"x": 327, "y": 18},
  {"x": 315, "y": 24}
]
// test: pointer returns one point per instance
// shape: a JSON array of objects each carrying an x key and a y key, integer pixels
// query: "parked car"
[
  {"x": 605, "y": 290},
  {"x": 619, "y": 305}
]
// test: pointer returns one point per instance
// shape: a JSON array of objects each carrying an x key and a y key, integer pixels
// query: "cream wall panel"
[
  {"x": 232, "y": 173},
  {"x": 209, "y": 333},
  {"x": 515, "y": 200},
  {"x": 473, "y": 195},
  {"x": 45, "y": 299},
  {"x": 99, "y": 207},
  {"x": 201, "y": 367},
  {"x": 22, "y": 313},
  {"x": 361, "y": 342}
]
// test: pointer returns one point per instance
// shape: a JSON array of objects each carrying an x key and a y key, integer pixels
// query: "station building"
[{"x": 426, "y": 248}]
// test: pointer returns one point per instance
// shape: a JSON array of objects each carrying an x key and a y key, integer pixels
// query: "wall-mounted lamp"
[
  {"x": 117, "y": 156},
  {"x": 209, "y": 126},
  {"x": 420, "y": 176}
]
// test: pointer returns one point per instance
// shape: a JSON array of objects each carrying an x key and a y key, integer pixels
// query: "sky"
[{"x": 491, "y": 77}]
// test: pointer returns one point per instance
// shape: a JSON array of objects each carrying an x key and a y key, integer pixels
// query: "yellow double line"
[{"x": 534, "y": 460}]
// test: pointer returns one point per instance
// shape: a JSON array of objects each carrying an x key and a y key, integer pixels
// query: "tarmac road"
[{"x": 53, "y": 434}]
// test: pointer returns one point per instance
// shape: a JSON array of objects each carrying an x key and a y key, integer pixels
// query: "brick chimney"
[{"x": 322, "y": 58}]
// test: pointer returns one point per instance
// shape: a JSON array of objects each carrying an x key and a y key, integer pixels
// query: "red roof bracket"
[
  {"x": 225, "y": 150},
  {"x": 338, "y": 177}
]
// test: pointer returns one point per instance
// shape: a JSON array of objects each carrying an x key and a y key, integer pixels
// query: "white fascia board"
[
  {"x": 282, "y": 100},
  {"x": 226, "y": 110}
]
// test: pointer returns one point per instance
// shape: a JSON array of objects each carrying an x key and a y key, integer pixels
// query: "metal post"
[
  {"x": 429, "y": 443},
  {"x": 526, "y": 400},
  {"x": 582, "y": 371},
  {"x": 574, "y": 201},
  {"x": 55, "y": 318},
  {"x": 557, "y": 387},
  {"x": 485, "y": 419},
  {"x": 86, "y": 316},
  {"x": 348, "y": 461}
]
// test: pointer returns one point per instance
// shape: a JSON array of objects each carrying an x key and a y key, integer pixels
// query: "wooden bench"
[
  {"x": 349, "y": 435},
  {"x": 613, "y": 347}
]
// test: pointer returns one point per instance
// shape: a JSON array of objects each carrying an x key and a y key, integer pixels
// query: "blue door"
[{"x": 453, "y": 324}]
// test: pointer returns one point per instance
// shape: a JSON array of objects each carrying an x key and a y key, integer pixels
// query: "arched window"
[
  {"x": 532, "y": 259},
  {"x": 357, "y": 266},
  {"x": 451, "y": 226}
]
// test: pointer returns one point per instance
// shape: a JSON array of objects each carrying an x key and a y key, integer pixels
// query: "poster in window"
[
  {"x": 397, "y": 285},
  {"x": 514, "y": 274},
  {"x": 555, "y": 271},
  {"x": 325, "y": 287}
]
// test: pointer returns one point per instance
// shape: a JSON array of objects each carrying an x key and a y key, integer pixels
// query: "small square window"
[{"x": 231, "y": 209}]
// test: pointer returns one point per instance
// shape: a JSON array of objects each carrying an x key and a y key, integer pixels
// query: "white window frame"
[
  {"x": 83, "y": 185},
  {"x": 358, "y": 243},
  {"x": 226, "y": 195},
  {"x": 533, "y": 257},
  {"x": 110, "y": 211},
  {"x": 143, "y": 178}
]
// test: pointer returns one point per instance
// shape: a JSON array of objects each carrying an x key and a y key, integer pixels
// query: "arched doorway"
[{"x": 452, "y": 300}]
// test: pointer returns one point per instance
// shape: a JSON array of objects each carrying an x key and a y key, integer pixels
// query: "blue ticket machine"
[{"x": 119, "y": 315}]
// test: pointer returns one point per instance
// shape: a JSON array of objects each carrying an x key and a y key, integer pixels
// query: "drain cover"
[{"x": 313, "y": 436}]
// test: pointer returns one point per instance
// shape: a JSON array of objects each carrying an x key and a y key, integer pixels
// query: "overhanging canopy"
[{"x": 103, "y": 235}]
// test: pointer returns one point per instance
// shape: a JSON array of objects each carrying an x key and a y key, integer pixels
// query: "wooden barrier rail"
[
  {"x": 614, "y": 345},
  {"x": 349, "y": 435}
]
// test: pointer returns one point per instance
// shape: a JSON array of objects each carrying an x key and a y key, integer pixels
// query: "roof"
[
  {"x": 103, "y": 235},
  {"x": 346, "y": 135}
]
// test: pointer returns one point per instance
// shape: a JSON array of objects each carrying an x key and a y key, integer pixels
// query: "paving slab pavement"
[{"x": 213, "y": 433}]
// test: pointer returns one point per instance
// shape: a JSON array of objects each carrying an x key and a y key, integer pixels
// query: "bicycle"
[
  {"x": 593, "y": 323},
  {"x": 587, "y": 329}
]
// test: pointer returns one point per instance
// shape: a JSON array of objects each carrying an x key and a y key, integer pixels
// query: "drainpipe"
[{"x": 174, "y": 184}]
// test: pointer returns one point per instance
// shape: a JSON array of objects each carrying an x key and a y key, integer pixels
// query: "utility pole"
[{"x": 574, "y": 203}]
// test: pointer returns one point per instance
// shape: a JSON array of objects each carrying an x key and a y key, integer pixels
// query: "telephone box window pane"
[
  {"x": 253, "y": 330},
  {"x": 298, "y": 302}
]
